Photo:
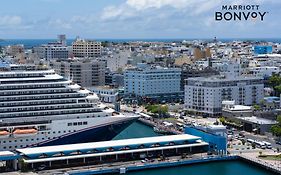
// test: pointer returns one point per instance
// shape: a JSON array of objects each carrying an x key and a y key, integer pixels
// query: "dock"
[
  {"x": 264, "y": 164},
  {"x": 124, "y": 167}
]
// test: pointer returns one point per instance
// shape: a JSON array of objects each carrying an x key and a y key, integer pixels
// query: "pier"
[{"x": 265, "y": 164}]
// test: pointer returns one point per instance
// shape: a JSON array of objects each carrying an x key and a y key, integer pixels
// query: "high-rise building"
[
  {"x": 53, "y": 50},
  {"x": 86, "y": 48},
  {"x": 156, "y": 83},
  {"x": 62, "y": 39},
  {"x": 188, "y": 72},
  {"x": 205, "y": 95},
  {"x": 86, "y": 73}
]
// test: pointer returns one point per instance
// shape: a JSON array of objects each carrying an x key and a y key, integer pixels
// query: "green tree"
[
  {"x": 278, "y": 90},
  {"x": 104, "y": 43},
  {"x": 275, "y": 82},
  {"x": 257, "y": 107},
  {"x": 222, "y": 120},
  {"x": 157, "y": 109},
  {"x": 276, "y": 129}
]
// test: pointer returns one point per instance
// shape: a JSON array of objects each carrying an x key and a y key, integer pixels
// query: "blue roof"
[
  {"x": 4, "y": 65},
  {"x": 271, "y": 98},
  {"x": 8, "y": 155}
]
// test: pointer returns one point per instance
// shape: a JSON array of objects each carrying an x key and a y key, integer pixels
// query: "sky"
[{"x": 132, "y": 19}]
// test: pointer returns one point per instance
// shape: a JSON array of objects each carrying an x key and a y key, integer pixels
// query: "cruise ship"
[{"x": 39, "y": 108}]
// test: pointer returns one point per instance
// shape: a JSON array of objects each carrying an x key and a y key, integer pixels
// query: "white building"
[
  {"x": 152, "y": 82},
  {"x": 265, "y": 71},
  {"x": 205, "y": 95},
  {"x": 227, "y": 68},
  {"x": 52, "y": 50},
  {"x": 106, "y": 93},
  {"x": 231, "y": 110}
]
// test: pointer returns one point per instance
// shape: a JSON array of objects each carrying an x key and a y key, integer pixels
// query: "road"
[{"x": 260, "y": 138}]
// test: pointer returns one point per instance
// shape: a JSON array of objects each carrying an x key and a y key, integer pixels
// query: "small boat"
[
  {"x": 24, "y": 132},
  {"x": 4, "y": 134}
]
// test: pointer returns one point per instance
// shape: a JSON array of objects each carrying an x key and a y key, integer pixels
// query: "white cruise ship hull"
[{"x": 68, "y": 131}]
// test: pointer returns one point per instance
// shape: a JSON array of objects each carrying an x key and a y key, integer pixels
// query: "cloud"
[
  {"x": 59, "y": 23},
  {"x": 191, "y": 7},
  {"x": 145, "y": 4},
  {"x": 141, "y": 18},
  {"x": 121, "y": 12},
  {"x": 187, "y": 6},
  {"x": 10, "y": 21}
]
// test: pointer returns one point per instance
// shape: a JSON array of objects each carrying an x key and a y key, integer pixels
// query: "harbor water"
[
  {"x": 213, "y": 168},
  {"x": 138, "y": 129}
]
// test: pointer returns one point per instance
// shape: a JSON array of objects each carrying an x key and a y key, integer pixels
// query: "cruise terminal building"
[{"x": 52, "y": 157}]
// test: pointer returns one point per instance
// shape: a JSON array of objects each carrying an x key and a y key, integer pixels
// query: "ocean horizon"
[{"x": 29, "y": 43}]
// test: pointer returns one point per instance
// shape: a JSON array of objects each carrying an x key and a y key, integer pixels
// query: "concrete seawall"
[{"x": 261, "y": 164}]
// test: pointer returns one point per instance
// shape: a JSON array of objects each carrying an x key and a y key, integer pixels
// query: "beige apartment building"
[
  {"x": 86, "y": 48},
  {"x": 14, "y": 50},
  {"x": 86, "y": 73}
]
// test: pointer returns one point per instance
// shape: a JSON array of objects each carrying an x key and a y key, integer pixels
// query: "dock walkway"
[{"x": 275, "y": 167}]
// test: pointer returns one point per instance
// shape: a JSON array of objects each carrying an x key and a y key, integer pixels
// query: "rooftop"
[
  {"x": 258, "y": 120},
  {"x": 221, "y": 78},
  {"x": 105, "y": 144},
  {"x": 6, "y": 153},
  {"x": 238, "y": 108},
  {"x": 104, "y": 88},
  {"x": 216, "y": 127}
]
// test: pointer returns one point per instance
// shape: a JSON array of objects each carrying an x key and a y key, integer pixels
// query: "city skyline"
[{"x": 140, "y": 19}]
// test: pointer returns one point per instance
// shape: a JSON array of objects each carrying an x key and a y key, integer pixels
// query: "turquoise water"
[
  {"x": 137, "y": 130},
  {"x": 214, "y": 168}
]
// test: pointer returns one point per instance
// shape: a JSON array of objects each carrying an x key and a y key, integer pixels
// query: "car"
[
  {"x": 41, "y": 167},
  {"x": 278, "y": 142},
  {"x": 143, "y": 161}
]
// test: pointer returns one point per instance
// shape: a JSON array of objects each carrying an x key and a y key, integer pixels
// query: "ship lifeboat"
[
  {"x": 4, "y": 134},
  {"x": 24, "y": 132}
]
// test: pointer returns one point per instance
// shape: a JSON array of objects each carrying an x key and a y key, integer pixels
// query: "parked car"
[{"x": 41, "y": 167}]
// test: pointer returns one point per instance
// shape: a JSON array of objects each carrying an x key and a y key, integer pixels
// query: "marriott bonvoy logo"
[{"x": 240, "y": 13}]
